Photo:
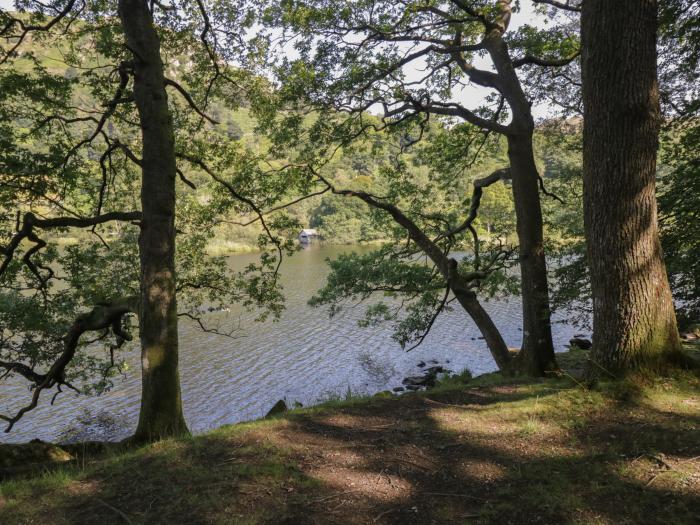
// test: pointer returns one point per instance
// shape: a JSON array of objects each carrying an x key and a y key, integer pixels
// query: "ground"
[{"x": 490, "y": 450}]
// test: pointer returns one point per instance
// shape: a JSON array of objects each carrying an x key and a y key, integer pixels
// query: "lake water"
[{"x": 304, "y": 357}]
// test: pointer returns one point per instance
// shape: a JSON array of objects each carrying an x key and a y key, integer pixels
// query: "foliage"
[
  {"x": 679, "y": 205},
  {"x": 70, "y": 139}
]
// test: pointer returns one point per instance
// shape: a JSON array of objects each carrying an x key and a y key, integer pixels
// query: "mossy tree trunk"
[
  {"x": 161, "y": 405},
  {"x": 634, "y": 323}
]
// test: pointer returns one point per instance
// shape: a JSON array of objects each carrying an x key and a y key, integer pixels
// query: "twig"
[
  {"x": 449, "y": 495},
  {"x": 564, "y": 373},
  {"x": 336, "y": 495},
  {"x": 115, "y": 509},
  {"x": 382, "y": 514},
  {"x": 602, "y": 368},
  {"x": 428, "y": 400}
]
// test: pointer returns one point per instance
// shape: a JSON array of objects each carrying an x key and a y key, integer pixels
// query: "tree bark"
[
  {"x": 537, "y": 355},
  {"x": 456, "y": 282},
  {"x": 161, "y": 405},
  {"x": 634, "y": 322}
]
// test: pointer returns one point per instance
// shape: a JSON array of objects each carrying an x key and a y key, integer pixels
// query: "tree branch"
[
  {"x": 545, "y": 62},
  {"x": 567, "y": 5},
  {"x": 438, "y": 311},
  {"x": 26, "y": 29},
  {"x": 185, "y": 94},
  {"x": 31, "y": 221},
  {"x": 101, "y": 317}
]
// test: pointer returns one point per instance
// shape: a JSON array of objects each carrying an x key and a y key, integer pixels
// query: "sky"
[{"x": 471, "y": 96}]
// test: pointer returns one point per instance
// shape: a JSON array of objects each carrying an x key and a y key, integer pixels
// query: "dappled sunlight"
[
  {"x": 355, "y": 422},
  {"x": 675, "y": 474},
  {"x": 380, "y": 487},
  {"x": 482, "y": 471},
  {"x": 668, "y": 403},
  {"x": 552, "y": 458},
  {"x": 83, "y": 488}
]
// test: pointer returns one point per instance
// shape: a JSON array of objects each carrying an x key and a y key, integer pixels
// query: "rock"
[
  {"x": 447, "y": 360},
  {"x": 36, "y": 452},
  {"x": 430, "y": 379},
  {"x": 690, "y": 338},
  {"x": 399, "y": 389},
  {"x": 434, "y": 370},
  {"x": 426, "y": 380},
  {"x": 421, "y": 364},
  {"x": 694, "y": 328},
  {"x": 579, "y": 342},
  {"x": 413, "y": 387},
  {"x": 433, "y": 361},
  {"x": 279, "y": 408}
]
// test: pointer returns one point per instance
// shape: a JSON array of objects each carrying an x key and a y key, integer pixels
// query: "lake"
[{"x": 304, "y": 357}]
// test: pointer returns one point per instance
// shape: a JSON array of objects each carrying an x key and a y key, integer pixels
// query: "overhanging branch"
[
  {"x": 102, "y": 317},
  {"x": 30, "y": 222},
  {"x": 545, "y": 62}
]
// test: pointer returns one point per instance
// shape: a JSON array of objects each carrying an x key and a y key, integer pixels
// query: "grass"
[
  {"x": 485, "y": 450},
  {"x": 220, "y": 247}
]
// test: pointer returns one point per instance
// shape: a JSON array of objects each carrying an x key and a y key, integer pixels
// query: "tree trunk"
[
  {"x": 465, "y": 296},
  {"x": 634, "y": 322},
  {"x": 161, "y": 405},
  {"x": 537, "y": 355},
  {"x": 492, "y": 336}
]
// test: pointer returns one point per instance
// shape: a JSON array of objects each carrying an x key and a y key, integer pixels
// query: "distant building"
[{"x": 307, "y": 235}]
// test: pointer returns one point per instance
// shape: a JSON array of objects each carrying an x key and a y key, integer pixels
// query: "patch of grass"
[
  {"x": 221, "y": 247},
  {"x": 531, "y": 425},
  {"x": 490, "y": 450}
]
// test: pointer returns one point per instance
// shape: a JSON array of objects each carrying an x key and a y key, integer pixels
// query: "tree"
[
  {"x": 679, "y": 202},
  {"x": 679, "y": 199},
  {"x": 634, "y": 322},
  {"x": 76, "y": 153},
  {"x": 353, "y": 59},
  {"x": 161, "y": 402}
]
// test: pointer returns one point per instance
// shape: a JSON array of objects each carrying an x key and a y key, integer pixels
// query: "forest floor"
[{"x": 488, "y": 450}]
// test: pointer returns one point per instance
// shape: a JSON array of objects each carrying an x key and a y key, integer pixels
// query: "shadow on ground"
[{"x": 537, "y": 453}]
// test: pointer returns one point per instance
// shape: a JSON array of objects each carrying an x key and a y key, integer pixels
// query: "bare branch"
[
  {"x": 567, "y": 5},
  {"x": 545, "y": 62},
  {"x": 185, "y": 94},
  {"x": 437, "y": 312},
  {"x": 204, "y": 328}
]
